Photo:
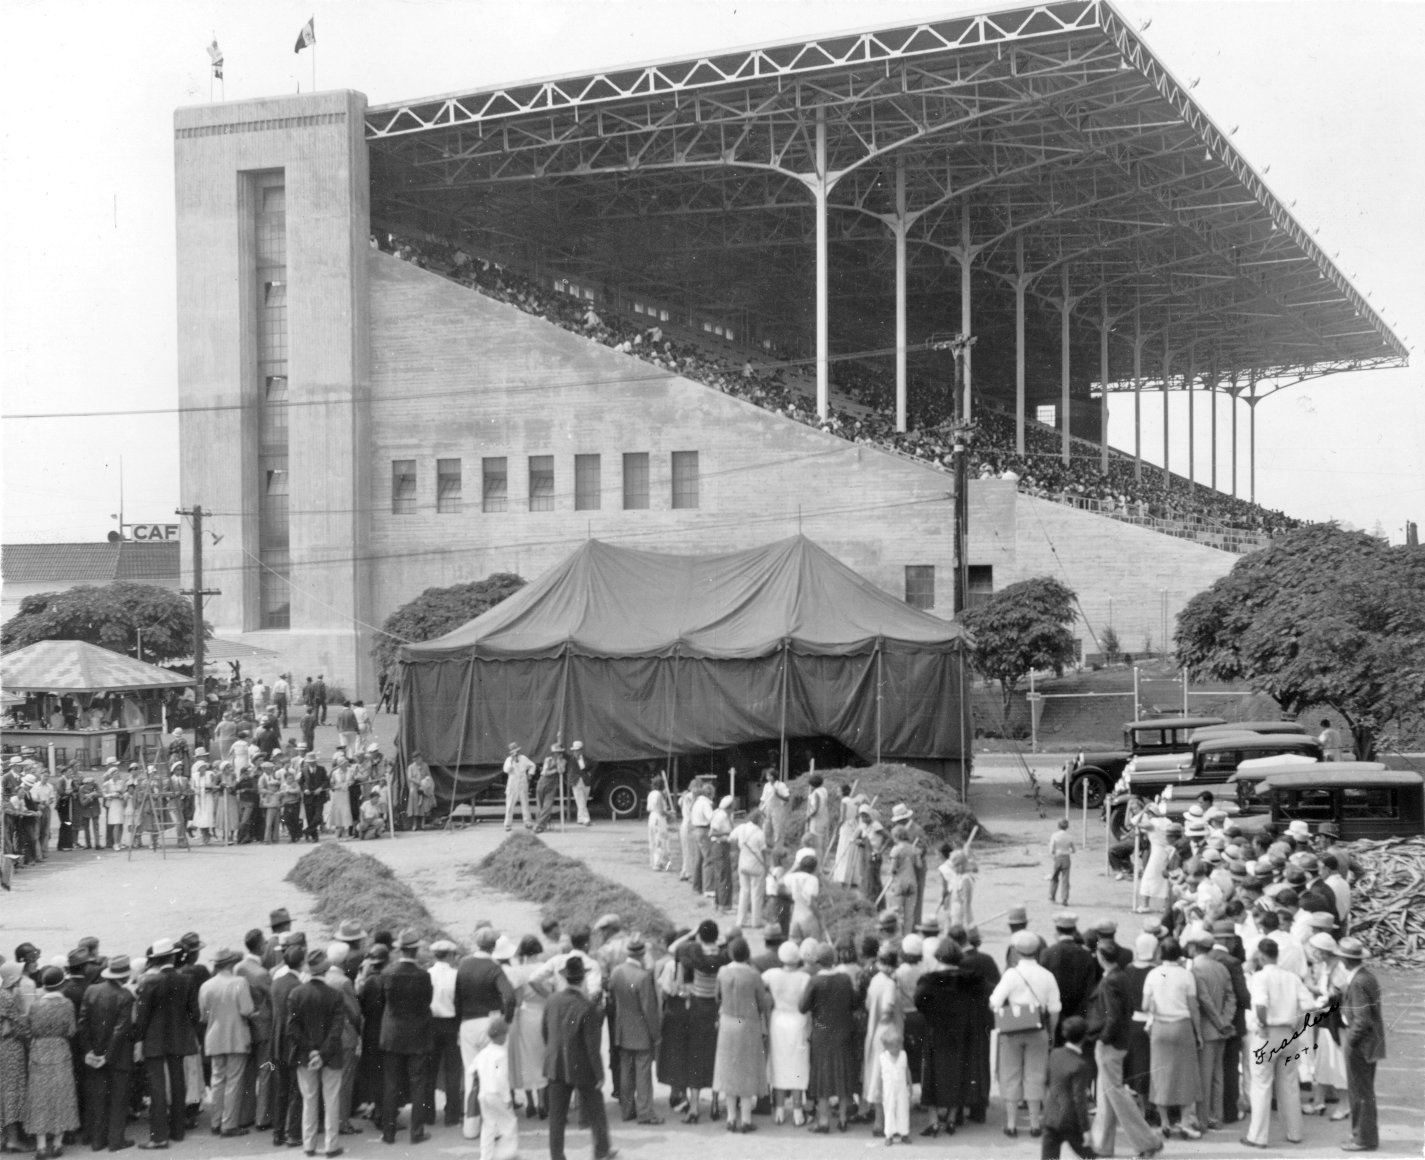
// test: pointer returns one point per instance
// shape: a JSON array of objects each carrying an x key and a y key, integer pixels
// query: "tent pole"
[
  {"x": 563, "y": 704},
  {"x": 673, "y": 712},
  {"x": 460, "y": 751},
  {"x": 880, "y": 678},
  {"x": 784, "y": 710}
]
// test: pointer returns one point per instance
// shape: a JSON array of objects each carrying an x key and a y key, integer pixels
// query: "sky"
[{"x": 1322, "y": 91}]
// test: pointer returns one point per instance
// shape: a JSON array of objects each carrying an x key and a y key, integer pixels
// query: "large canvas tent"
[{"x": 643, "y": 654}]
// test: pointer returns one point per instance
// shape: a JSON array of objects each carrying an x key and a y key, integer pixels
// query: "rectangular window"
[
  {"x": 920, "y": 586},
  {"x": 274, "y": 589},
  {"x": 635, "y": 480},
  {"x": 447, "y": 486},
  {"x": 685, "y": 479},
  {"x": 588, "y": 485},
  {"x": 269, "y": 267},
  {"x": 980, "y": 584},
  {"x": 541, "y": 483},
  {"x": 1046, "y": 413},
  {"x": 403, "y": 487},
  {"x": 495, "y": 490}
]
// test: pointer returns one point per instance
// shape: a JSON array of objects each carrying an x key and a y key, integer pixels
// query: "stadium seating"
[{"x": 863, "y": 409}]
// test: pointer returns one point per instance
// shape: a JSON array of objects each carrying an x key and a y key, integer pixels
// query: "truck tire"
[
  {"x": 623, "y": 797},
  {"x": 1097, "y": 782},
  {"x": 1118, "y": 822}
]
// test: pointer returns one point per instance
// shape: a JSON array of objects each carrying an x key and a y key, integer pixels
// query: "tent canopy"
[
  {"x": 605, "y": 601},
  {"x": 642, "y": 655},
  {"x": 76, "y": 666}
]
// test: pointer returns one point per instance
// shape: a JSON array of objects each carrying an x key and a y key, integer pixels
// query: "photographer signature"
[{"x": 1263, "y": 1054}]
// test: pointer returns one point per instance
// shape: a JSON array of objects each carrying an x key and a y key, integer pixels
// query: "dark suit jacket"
[
  {"x": 1365, "y": 1031},
  {"x": 282, "y": 989},
  {"x": 315, "y": 1016},
  {"x": 1239, "y": 988},
  {"x": 1076, "y": 972},
  {"x": 73, "y": 989},
  {"x": 634, "y": 1007},
  {"x": 106, "y": 1025},
  {"x": 406, "y": 1024},
  {"x": 1110, "y": 1015},
  {"x": 482, "y": 988},
  {"x": 1066, "y": 1100},
  {"x": 572, "y": 1030},
  {"x": 166, "y": 1015}
]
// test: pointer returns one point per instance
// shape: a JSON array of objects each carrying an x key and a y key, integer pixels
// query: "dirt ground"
[{"x": 128, "y": 901}]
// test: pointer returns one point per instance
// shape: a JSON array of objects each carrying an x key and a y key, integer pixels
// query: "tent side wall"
[{"x": 889, "y": 702}]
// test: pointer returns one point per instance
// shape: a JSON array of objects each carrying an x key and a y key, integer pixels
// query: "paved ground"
[{"x": 220, "y": 892}]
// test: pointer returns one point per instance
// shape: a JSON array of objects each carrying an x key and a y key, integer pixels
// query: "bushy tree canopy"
[
  {"x": 438, "y": 610},
  {"x": 1323, "y": 616},
  {"x": 113, "y": 616},
  {"x": 1020, "y": 629}
]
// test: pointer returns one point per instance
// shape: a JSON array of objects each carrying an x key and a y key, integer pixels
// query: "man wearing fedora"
[
  {"x": 225, "y": 1003},
  {"x": 634, "y": 1027},
  {"x": 406, "y": 1034},
  {"x": 105, "y": 1045},
  {"x": 1362, "y": 1042},
  {"x": 551, "y": 775},
  {"x": 165, "y": 1024},
  {"x": 518, "y": 770},
  {"x": 572, "y": 1030},
  {"x": 581, "y": 777},
  {"x": 315, "y": 1053}
]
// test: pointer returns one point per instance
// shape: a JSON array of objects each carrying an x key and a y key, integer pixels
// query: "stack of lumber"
[{"x": 1388, "y": 899}]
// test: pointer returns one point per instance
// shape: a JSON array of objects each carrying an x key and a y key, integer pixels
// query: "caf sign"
[{"x": 150, "y": 532}]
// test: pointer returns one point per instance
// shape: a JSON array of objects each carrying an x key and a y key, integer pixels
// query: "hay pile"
[
  {"x": 567, "y": 890},
  {"x": 352, "y": 885}
]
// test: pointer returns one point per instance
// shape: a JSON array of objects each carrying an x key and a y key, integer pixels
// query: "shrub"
[
  {"x": 352, "y": 885},
  {"x": 936, "y": 803},
  {"x": 566, "y": 889}
]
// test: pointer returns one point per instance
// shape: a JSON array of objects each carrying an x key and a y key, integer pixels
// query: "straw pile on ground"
[
  {"x": 935, "y": 802},
  {"x": 1388, "y": 899},
  {"x": 352, "y": 885}
]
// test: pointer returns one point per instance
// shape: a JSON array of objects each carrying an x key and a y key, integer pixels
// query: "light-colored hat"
[
  {"x": 201, "y": 751},
  {"x": 576, "y": 745},
  {"x": 1211, "y": 855},
  {"x": 409, "y": 939},
  {"x": 1065, "y": 920},
  {"x": 443, "y": 946},
  {"x": 607, "y": 921},
  {"x": 901, "y": 813},
  {"x": 504, "y": 949},
  {"x": 1025, "y": 942},
  {"x": 1353, "y": 949},
  {"x": 1299, "y": 828},
  {"x": 1322, "y": 920},
  {"x": 789, "y": 954},
  {"x": 350, "y": 931},
  {"x": 726, "y": 803},
  {"x": 162, "y": 948},
  {"x": 514, "y": 746},
  {"x": 372, "y": 747},
  {"x": 117, "y": 968},
  {"x": 1323, "y": 942},
  {"x": 1145, "y": 946},
  {"x": 225, "y": 958}
]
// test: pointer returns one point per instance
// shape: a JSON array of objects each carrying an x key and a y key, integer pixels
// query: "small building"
[{"x": 28, "y": 569}]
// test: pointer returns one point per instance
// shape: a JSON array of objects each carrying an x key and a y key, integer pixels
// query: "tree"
[
  {"x": 1323, "y": 616},
  {"x": 1110, "y": 644},
  {"x": 438, "y": 610},
  {"x": 1020, "y": 629},
  {"x": 114, "y": 616}
]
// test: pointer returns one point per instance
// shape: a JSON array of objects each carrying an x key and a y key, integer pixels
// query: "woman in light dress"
[
  {"x": 113, "y": 792},
  {"x": 526, "y": 1046},
  {"x": 1325, "y": 1064},
  {"x": 846, "y": 866},
  {"x": 957, "y": 873},
  {"x": 740, "y": 1068},
  {"x": 659, "y": 809},
  {"x": 204, "y": 780},
  {"x": 341, "y": 820},
  {"x": 804, "y": 888},
  {"x": 776, "y": 803},
  {"x": 789, "y": 1058},
  {"x": 1153, "y": 889},
  {"x": 883, "y": 1014}
]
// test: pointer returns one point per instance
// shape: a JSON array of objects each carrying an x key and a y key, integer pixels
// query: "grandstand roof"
[
  {"x": 89, "y": 563},
  {"x": 1081, "y": 160}
]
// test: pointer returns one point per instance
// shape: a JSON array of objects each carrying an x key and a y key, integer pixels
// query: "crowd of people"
[
  {"x": 1146, "y": 494},
  {"x": 1242, "y": 983}
]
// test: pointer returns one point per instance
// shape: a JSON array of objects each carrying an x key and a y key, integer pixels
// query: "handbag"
[{"x": 1008, "y": 1019}]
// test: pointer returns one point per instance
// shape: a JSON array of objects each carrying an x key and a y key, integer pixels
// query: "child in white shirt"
[
  {"x": 499, "y": 1129},
  {"x": 895, "y": 1087}
]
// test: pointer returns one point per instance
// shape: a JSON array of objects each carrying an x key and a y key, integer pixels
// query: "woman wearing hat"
[
  {"x": 701, "y": 959},
  {"x": 53, "y": 1105},
  {"x": 1324, "y": 1064},
  {"x": 789, "y": 1059},
  {"x": 830, "y": 1000},
  {"x": 740, "y": 1067},
  {"x": 1153, "y": 888},
  {"x": 14, "y": 1030},
  {"x": 804, "y": 888},
  {"x": 526, "y": 1047}
]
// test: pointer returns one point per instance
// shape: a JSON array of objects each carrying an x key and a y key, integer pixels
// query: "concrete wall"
[
  {"x": 318, "y": 141},
  {"x": 1124, "y": 575},
  {"x": 458, "y": 375}
]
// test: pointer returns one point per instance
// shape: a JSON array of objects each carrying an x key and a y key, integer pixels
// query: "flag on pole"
[
  {"x": 308, "y": 35},
  {"x": 215, "y": 54}
]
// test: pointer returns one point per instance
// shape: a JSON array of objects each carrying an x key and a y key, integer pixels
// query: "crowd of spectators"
[{"x": 866, "y": 412}]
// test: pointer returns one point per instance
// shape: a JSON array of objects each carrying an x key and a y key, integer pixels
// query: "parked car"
[
  {"x": 1209, "y": 765},
  {"x": 1363, "y": 799},
  {"x": 1099, "y": 770}
]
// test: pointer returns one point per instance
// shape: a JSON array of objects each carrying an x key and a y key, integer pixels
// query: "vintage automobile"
[
  {"x": 1288, "y": 727},
  {"x": 1099, "y": 770},
  {"x": 1363, "y": 799},
  {"x": 1209, "y": 765}
]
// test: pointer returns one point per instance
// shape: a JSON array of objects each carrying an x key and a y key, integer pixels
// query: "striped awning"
[{"x": 76, "y": 666}]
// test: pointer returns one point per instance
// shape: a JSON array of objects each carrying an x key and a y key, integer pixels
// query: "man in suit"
[
  {"x": 338, "y": 955},
  {"x": 257, "y": 1085},
  {"x": 1066, "y": 1096},
  {"x": 572, "y": 1031},
  {"x": 1227, "y": 950},
  {"x": 633, "y": 1030},
  {"x": 314, "y": 1022},
  {"x": 1110, "y": 1022},
  {"x": 225, "y": 1002},
  {"x": 406, "y": 1035},
  {"x": 315, "y": 786},
  {"x": 286, "y": 1099},
  {"x": 106, "y": 1028},
  {"x": 165, "y": 1023},
  {"x": 1362, "y": 1042},
  {"x": 1073, "y": 968}
]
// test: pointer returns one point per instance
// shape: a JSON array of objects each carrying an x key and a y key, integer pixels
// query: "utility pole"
[
  {"x": 197, "y": 592},
  {"x": 960, "y": 428}
]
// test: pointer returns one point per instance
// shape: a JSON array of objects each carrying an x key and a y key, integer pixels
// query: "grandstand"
[{"x": 703, "y": 304}]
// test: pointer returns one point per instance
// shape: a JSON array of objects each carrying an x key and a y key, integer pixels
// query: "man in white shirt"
[
  {"x": 1024, "y": 1055},
  {"x": 281, "y": 693},
  {"x": 518, "y": 770},
  {"x": 445, "y": 1034},
  {"x": 699, "y": 839},
  {"x": 1279, "y": 999}
]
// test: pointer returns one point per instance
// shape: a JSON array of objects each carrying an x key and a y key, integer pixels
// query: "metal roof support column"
[
  {"x": 1137, "y": 396},
  {"x": 1192, "y": 429},
  {"x": 1212, "y": 395},
  {"x": 967, "y": 255},
  {"x": 1103, "y": 381},
  {"x": 820, "y": 189},
  {"x": 1252, "y": 401},
  {"x": 899, "y": 227},
  {"x": 1167, "y": 370},
  {"x": 1234, "y": 444},
  {"x": 1021, "y": 283},
  {"x": 1065, "y": 305}
]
